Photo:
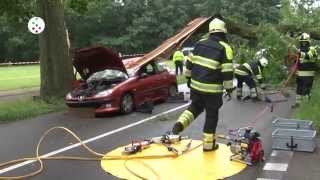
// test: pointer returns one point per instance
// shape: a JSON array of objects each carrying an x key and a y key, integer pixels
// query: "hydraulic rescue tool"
[
  {"x": 136, "y": 147},
  {"x": 166, "y": 140},
  {"x": 245, "y": 145}
]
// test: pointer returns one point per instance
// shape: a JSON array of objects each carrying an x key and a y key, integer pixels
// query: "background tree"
[
  {"x": 55, "y": 62},
  {"x": 135, "y": 26}
]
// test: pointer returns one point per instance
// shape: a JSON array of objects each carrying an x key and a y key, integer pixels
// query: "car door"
[
  {"x": 146, "y": 84},
  {"x": 162, "y": 83}
]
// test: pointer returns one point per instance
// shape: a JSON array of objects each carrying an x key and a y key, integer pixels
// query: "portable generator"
[{"x": 245, "y": 145}]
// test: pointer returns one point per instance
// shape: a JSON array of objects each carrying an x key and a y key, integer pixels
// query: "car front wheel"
[{"x": 126, "y": 104}]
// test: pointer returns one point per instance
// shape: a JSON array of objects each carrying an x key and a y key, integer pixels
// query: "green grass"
[
  {"x": 28, "y": 108},
  {"x": 310, "y": 110},
  {"x": 19, "y": 77}
]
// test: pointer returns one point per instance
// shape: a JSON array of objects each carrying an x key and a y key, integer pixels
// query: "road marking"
[
  {"x": 275, "y": 167},
  {"x": 10, "y": 168}
]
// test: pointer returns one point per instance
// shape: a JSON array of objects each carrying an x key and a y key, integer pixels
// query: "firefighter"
[
  {"x": 209, "y": 72},
  {"x": 178, "y": 59},
  {"x": 306, "y": 69},
  {"x": 251, "y": 74}
]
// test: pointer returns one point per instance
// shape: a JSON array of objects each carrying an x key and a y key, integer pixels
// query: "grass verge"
[
  {"x": 310, "y": 110},
  {"x": 27, "y": 108},
  {"x": 19, "y": 77}
]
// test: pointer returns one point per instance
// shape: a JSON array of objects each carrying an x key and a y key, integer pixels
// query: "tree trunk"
[{"x": 55, "y": 62}]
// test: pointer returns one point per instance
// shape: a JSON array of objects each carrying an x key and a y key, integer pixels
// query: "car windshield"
[{"x": 108, "y": 74}]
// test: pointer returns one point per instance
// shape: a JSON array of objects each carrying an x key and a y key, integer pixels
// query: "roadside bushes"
[{"x": 309, "y": 110}]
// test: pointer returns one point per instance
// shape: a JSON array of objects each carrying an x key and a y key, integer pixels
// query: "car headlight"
[
  {"x": 69, "y": 96},
  {"x": 103, "y": 93}
]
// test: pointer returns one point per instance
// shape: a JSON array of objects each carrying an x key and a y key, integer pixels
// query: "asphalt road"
[{"x": 19, "y": 139}]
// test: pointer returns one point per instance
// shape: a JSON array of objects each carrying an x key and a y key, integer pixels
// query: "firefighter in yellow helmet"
[
  {"x": 209, "y": 72},
  {"x": 306, "y": 69}
]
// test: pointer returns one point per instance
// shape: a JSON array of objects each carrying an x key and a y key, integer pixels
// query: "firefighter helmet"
[
  {"x": 217, "y": 25},
  {"x": 263, "y": 61},
  {"x": 304, "y": 37}
]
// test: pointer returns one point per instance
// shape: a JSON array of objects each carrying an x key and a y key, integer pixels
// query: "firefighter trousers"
[
  {"x": 250, "y": 82},
  {"x": 211, "y": 103},
  {"x": 304, "y": 86},
  {"x": 179, "y": 67}
]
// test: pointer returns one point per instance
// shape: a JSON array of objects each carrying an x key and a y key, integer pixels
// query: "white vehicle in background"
[{"x": 187, "y": 50}]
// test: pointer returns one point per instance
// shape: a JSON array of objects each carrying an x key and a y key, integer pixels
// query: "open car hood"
[
  {"x": 198, "y": 25},
  {"x": 88, "y": 61}
]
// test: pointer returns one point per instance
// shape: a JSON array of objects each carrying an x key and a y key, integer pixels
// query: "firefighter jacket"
[
  {"x": 253, "y": 69},
  {"x": 178, "y": 56},
  {"x": 307, "y": 62},
  {"x": 210, "y": 68}
]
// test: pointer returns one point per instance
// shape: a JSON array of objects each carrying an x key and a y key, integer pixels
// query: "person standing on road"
[
  {"x": 209, "y": 72},
  {"x": 178, "y": 59},
  {"x": 306, "y": 69},
  {"x": 251, "y": 74}
]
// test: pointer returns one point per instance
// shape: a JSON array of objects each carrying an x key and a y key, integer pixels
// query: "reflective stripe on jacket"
[
  {"x": 250, "y": 69},
  {"x": 307, "y": 62},
  {"x": 178, "y": 56},
  {"x": 211, "y": 66}
]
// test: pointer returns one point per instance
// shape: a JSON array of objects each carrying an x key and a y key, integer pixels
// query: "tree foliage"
[
  {"x": 132, "y": 27},
  {"x": 137, "y": 26}
]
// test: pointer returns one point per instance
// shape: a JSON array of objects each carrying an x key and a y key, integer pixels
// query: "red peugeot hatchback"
[{"x": 110, "y": 86}]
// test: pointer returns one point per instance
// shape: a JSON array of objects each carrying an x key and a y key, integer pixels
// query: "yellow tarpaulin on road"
[{"x": 195, "y": 164}]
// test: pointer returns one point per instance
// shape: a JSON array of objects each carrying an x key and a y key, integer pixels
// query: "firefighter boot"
[
  {"x": 210, "y": 147},
  {"x": 177, "y": 128},
  {"x": 183, "y": 121},
  {"x": 209, "y": 142}
]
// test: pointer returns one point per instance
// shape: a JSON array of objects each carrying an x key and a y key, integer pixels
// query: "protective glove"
[{"x": 189, "y": 82}]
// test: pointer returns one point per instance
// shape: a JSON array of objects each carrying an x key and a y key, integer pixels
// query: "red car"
[{"x": 111, "y": 87}]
